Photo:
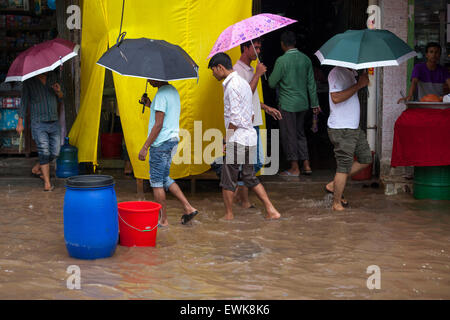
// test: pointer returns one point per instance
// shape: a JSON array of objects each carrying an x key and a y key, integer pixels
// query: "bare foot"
[
  {"x": 228, "y": 217},
  {"x": 163, "y": 223},
  {"x": 330, "y": 186},
  {"x": 246, "y": 205},
  {"x": 337, "y": 207},
  {"x": 273, "y": 214}
]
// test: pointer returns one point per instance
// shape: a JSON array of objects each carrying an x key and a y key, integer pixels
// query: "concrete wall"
[{"x": 395, "y": 19}]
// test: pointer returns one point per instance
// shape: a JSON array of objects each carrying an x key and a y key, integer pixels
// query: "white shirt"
[
  {"x": 238, "y": 109},
  {"x": 247, "y": 72},
  {"x": 344, "y": 115}
]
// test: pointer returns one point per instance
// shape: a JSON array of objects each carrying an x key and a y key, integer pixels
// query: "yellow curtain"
[
  {"x": 192, "y": 24},
  {"x": 94, "y": 33}
]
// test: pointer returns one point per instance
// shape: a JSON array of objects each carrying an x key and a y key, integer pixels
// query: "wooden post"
[{"x": 71, "y": 68}]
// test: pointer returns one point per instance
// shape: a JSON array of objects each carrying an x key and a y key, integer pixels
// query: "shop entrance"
[{"x": 318, "y": 21}]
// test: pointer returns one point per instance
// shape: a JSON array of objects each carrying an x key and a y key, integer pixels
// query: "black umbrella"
[{"x": 149, "y": 59}]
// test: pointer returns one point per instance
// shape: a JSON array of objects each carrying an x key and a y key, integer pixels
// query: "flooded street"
[{"x": 311, "y": 253}]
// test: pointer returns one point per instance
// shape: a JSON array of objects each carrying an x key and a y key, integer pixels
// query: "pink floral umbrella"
[
  {"x": 247, "y": 30},
  {"x": 41, "y": 58}
]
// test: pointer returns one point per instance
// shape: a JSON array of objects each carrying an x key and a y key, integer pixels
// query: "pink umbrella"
[
  {"x": 41, "y": 58},
  {"x": 247, "y": 30}
]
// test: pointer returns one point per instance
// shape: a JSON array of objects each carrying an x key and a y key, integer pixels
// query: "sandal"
[
  {"x": 343, "y": 201},
  {"x": 185, "y": 218}
]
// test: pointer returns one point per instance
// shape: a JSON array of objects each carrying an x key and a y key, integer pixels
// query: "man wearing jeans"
[
  {"x": 240, "y": 136},
  {"x": 162, "y": 141},
  {"x": 41, "y": 94},
  {"x": 344, "y": 131}
]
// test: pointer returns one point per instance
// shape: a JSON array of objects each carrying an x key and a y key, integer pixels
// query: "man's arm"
[
  {"x": 24, "y": 103},
  {"x": 159, "y": 120},
  {"x": 271, "y": 111},
  {"x": 259, "y": 71},
  {"x": 341, "y": 96},
  {"x": 276, "y": 74},
  {"x": 412, "y": 89},
  {"x": 312, "y": 89}
]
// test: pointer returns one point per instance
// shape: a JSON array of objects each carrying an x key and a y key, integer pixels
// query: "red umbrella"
[{"x": 41, "y": 58}]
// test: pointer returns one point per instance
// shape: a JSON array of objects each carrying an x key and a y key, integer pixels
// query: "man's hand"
[
  {"x": 145, "y": 100},
  {"x": 260, "y": 69},
  {"x": 273, "y": 112},
  {"x": 19, "y": 127},
  {"x": 405, "y": 99},
  {"x": 363, "y": 80},
  {"x": 143, "y": 153},
  {"x": 316, "y": 110},
  {"x": 57, "y": 88}
]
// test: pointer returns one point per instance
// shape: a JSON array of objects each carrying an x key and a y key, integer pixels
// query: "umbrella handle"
[{"x": 257, "y": 57}]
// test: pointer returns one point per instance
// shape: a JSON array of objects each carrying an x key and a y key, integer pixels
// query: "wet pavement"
[{"x": 310, "y": 253}]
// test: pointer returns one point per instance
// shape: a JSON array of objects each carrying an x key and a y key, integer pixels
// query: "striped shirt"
[{"x": 40, "y": 99}]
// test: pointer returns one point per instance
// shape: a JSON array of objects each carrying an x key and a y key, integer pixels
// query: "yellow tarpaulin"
[{"x": 192, "y": 24}]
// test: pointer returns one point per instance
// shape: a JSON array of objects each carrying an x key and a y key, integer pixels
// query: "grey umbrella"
[{"x": 149, "y": 59}]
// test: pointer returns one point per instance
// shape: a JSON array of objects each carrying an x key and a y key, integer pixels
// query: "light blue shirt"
[{"x": 166, "y": 100}]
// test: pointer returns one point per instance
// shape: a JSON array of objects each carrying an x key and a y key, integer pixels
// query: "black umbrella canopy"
[{"x": 150, "y": 59}]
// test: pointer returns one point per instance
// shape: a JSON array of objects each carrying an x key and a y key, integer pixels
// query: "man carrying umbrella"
[
  {"x": 344, "y": 131},
  {"x": 240, "y": 136},
  {"x": 161, "y": 145},
  {"x": 249, "y": 53},
  {"x": 40, "y": 94}
]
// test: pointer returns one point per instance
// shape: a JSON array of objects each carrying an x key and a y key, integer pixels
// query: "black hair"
[
  {"x": 249, "y": 43},
  {"x": 288, "y": 38},
  {"x": 433, "y": 45},
  {"x": 221, "y": 58}
]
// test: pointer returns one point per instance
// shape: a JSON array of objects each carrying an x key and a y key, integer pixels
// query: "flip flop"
[
  {"x": 185, "y": 218},
  {"x": 51, "y": 189},
  {"x": 288, "y": 174},
  {"x": 343, "y": 201}
]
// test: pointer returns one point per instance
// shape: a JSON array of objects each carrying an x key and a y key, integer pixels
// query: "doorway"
[{"x": 318, "y": 21}]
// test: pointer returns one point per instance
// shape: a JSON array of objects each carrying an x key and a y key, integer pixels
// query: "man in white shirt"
[
  {"x": 241, "y": 138},
  {"x": 249, "y": 53},
  {"x": 344, "y": 131}
]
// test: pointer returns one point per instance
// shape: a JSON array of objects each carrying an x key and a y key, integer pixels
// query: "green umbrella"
[{"x": 361, "y": 49}]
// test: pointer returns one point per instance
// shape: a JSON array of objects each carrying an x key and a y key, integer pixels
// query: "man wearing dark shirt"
[
  {"x": 428, "y": 77},
  {"x": 41, "y": 95}
]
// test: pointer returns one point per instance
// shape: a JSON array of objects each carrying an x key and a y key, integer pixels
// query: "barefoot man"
[
  {"x": 241, "y": 138},
  {"x": 344, "y": 131},
  {"x": 161, "y": 146}
]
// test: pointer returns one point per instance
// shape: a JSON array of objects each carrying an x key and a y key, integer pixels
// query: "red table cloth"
[{"x": 422, "y": 138}]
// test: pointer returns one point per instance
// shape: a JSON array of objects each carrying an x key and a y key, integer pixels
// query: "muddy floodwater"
[{"x": 311, "y": 253}]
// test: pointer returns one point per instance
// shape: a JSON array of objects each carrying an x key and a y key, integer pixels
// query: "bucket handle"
[{"x": 146, "y": 230}]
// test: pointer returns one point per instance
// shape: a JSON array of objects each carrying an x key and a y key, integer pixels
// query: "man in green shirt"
[{"x": 293, "y": 74}]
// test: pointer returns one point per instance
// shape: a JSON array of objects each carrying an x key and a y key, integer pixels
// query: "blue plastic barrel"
[
  {"x": 91, "y": 226},
  {"x": 67, "y": 162}
]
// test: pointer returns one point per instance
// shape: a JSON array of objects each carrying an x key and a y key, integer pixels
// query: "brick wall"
[{"x": 394, "y": 15}]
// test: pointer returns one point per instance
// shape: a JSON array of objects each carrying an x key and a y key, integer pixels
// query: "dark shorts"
[
  {"x": 47, "y": 136},
  {"x": 241, "y": 159},
  {"x": 347, "y": 144}
]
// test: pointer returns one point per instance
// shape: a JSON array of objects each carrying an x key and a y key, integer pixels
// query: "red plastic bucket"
[
  {"x": 365, "y": 174},
  {"x": 111, "y": 145},
  {"x": 138, "y": 223}
]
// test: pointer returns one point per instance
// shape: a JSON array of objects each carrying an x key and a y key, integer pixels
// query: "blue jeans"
[
  {"x": 47, "y": 136},
  {"x": 160, "y": 159}
]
